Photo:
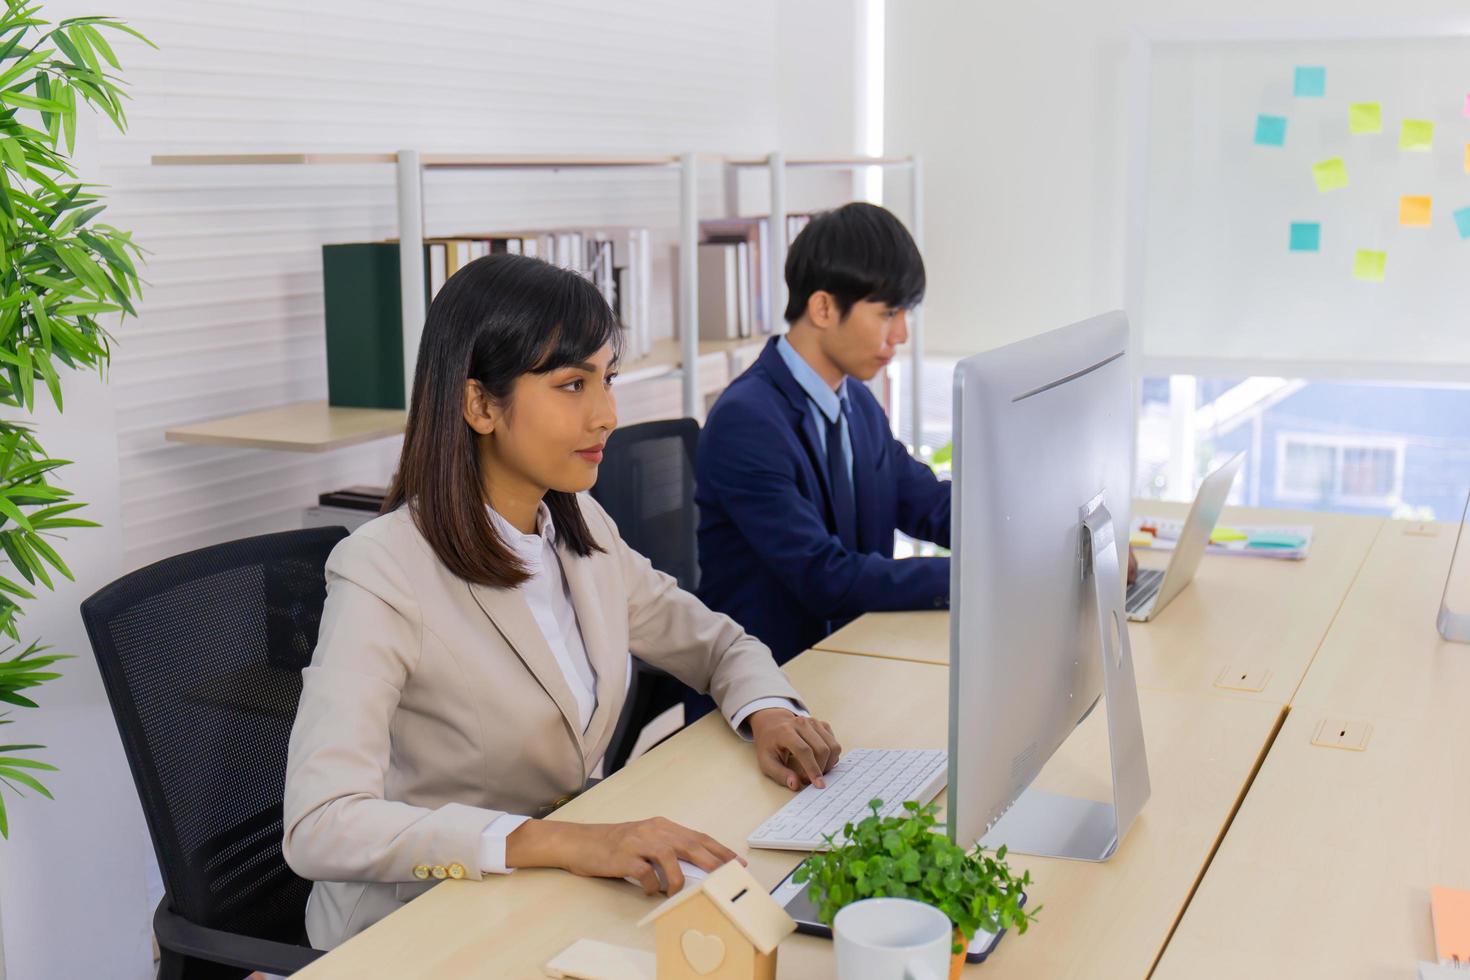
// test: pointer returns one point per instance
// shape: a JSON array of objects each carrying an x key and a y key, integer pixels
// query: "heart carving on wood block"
[{"x": 704, "y": 953}]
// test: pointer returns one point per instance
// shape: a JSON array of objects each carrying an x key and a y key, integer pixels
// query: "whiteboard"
[{"x": 1217, "y": 282}]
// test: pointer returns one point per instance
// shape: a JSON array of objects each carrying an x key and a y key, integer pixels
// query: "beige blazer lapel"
[
  {"x": 511, "y": 616},
  {"x": 608, "y": 663}
]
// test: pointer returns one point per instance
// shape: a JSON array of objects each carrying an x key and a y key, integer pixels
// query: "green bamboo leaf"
[
  {"x": 10, "y": 697},
  {"x": 23, "y": 544},
  {"x": 100, "y": 43},
  {"x": 118, "y": 25},
  {"x": 49, "y": 553},
  {"x": 26, "y": 779},
  {"x": 10, "y": 97},
  {"x": 8, "y": 586},
  {"x": 11, "y": 760},
  {"x": 27, "y": 378},
  {"x": 14, "y": 513},
  {"x": 82, "y": 43}
]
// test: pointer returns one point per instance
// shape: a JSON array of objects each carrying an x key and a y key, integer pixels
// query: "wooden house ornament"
[{"x": 724, "y": 928}]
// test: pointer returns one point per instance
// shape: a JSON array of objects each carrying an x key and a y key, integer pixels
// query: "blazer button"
[
  {"x": 561, "y": 803},
  {"x": 456, "y": 871},
  {"x": 439, "y": 872},
  {"x": 421, "y": 871}
]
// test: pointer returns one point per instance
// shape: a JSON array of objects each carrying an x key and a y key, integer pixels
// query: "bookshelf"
[
  {"x": 778, "y": 164},
  {"x": 318, "y": 427}
]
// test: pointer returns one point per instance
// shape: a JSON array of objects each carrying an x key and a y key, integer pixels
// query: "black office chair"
[
  {"x": 646, "y": 484},
  {"x": 201, "y": 655}
]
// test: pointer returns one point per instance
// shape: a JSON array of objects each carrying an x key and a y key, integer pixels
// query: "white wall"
[
  {"x": 1020, "y": 112},
  {"x": 232, "y": 318}
]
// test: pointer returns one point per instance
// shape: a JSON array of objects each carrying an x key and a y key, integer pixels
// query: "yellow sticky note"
[
  {"x": 1417, "y": 135},
  {"x": 1368, "y": 266},
  {"x": 1414, "y": 212},
  {"x": 1140, "y": 539},
  {"x": 1330, "y": 174},
  {"x": 1222, "y": 535},
  {"x": 1365, "y": 117}
]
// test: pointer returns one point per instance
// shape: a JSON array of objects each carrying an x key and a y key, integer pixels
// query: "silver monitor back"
[{"x": 1041, "y": 428}]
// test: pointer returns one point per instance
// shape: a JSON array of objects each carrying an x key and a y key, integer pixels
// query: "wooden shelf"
[
  {"x": 430, "y": 161},
  {"x": 305, "y": 427},
  {"x": 316, "y": 427}
]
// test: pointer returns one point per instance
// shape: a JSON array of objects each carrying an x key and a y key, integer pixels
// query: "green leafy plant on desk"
[
  {"x": 61, "y": 271},
  {"x": 903, "y": 857}
]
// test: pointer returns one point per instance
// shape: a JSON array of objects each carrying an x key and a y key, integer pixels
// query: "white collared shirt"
[{"x": 550, "y": 599}]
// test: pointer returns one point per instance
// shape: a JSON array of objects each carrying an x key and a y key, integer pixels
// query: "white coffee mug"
[{"x": 892, "y": 939}]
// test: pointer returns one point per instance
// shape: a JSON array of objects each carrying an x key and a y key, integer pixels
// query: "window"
[{"x": 1323, "y": 469}]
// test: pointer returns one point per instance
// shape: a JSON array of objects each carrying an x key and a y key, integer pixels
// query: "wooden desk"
[
  {"x": 1239, "y": 616},
  {"x": 1106, "y": 919},
  {"x": 1383, "y": 656},
  {"x": 1327, "y": 868}
]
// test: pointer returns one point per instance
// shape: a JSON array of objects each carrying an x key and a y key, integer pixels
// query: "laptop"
[{"x": 1154, "y": 589}]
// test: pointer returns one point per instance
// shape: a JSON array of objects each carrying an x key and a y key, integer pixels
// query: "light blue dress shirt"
[{"x": 827, "y": 405}]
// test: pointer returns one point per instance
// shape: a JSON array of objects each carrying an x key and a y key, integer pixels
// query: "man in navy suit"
[{"x": 800, "y": 482}]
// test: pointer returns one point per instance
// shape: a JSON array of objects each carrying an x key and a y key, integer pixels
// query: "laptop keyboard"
[{"x": 1143, "y": 589}]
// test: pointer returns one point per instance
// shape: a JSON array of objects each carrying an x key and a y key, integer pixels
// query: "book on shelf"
[
  {"x": 750, "y": 239},
  {"x": 363, "y": 299}
]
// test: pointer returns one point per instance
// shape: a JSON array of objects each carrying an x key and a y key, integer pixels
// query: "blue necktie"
[{"x": 844, "y": 513}]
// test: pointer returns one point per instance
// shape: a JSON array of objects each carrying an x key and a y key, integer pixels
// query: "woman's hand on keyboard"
[{"x": 793, "y": 750}]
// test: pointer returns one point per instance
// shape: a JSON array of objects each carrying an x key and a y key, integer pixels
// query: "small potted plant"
[{"x": 904, "y": 857}]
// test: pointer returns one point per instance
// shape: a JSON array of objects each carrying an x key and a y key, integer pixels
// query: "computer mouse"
[{"x": 693, "y": 874}]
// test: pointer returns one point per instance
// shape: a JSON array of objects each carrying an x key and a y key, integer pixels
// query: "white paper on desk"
[
  {"x": 1170, "y": 530},
  {"x": 1442, "y": 971}
]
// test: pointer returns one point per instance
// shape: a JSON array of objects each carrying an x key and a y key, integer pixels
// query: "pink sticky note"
[{"x": 1467, "y": 105}]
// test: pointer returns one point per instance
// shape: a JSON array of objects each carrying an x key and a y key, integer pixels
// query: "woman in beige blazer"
[{"x": 475, "y": 647}]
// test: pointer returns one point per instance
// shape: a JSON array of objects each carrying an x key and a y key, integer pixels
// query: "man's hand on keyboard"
[{"x": 793, "y": 751}]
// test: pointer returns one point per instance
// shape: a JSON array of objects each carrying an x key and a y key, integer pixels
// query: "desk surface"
[
  {"x": 1106, "y": 919},
  {"x": 1327, "y": 868},
  {"x": 1383, "y": 655},
  {"x": 1239, "y": 616}
]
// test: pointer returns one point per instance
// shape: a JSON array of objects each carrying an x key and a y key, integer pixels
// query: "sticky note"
[
  {"x": 1368, "y": 266},
  {"x": 1365, "y": 117},
  {"x": 1462, "y": 222},
  {"x": 1306, "y": 236},
  {"x": 1417, "y": 136},
  {"x": 1276, "y": 540},
  {"x": 1270, "y": 130},
  {"x": 1467, "y": 105},
  {"x": 1140, "y": 539},
  {"x": 1414, "y": 212},
  {"x": 1221, "y": 535},
  {"x": 1310, "y": 82},
  {"x": 1449, "y": 911},
  {"x": 1330, "y": 174}
]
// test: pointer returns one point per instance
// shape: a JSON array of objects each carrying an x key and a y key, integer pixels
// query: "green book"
[{"x": 364, "y": 324}]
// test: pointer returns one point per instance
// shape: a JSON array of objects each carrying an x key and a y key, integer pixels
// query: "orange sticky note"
[
  {"x": 1450, "y": 908},
  {"x": 1414, "y": 212}
]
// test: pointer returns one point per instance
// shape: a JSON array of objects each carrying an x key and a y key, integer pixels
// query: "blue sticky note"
[
  {"x": 1306, "y": 236},
  {"x": 1462, "y": 222},
  {"x": 1270, "y": 130},
  {"x": 1310, "y": 83},
  {"x": 1276, "y": 540}
]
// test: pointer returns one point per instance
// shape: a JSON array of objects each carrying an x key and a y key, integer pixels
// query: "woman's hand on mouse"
[{"x": 616, "y": 850}]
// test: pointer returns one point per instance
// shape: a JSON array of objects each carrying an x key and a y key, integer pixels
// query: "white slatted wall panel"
[{"x": 232, "y": 320}]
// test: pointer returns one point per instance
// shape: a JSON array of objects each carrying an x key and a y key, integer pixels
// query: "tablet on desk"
[{"x": 793, "y": 898}]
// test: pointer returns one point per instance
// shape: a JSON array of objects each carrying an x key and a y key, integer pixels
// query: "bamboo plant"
[{"x": 62, "y": 273}]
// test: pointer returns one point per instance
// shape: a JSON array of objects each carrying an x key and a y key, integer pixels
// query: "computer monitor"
[{"x": 1043, "y": 435}]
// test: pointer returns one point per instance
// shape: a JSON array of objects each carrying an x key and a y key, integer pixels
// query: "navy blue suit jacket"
[{"x": 769, "y": 554}]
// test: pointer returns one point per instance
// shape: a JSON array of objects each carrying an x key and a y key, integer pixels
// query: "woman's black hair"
[
  {"x": 857, "y": 252},
  {"x": 500, "y": 317}
]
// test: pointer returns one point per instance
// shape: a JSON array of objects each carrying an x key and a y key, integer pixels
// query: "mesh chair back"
[
  {"x": 201, "y": 655},
  {"x": 646, "y": 484}
]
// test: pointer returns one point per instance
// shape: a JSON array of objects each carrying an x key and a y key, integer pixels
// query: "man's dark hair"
[{"x": 857, "y": 252}]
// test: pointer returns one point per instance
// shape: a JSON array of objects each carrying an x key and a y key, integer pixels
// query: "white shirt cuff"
[
  {"x": 492, "y": 843},
  {"x": 761, "y": 704}
]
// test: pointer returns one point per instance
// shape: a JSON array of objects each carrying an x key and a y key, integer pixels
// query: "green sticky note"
[
  {"x": 1416, "y": 136},
  {"x": 1365, "y": 117},
  {"x": 1369, "y": 265},
  {"x": 1330, "y": 174},
  {"x": 1221, "y": 535}
]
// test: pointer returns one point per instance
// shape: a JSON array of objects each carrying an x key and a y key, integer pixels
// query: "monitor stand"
[{"x": 1052, "y": 825}]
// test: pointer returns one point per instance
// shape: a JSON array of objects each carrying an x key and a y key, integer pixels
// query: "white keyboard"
[{"x": 890, "y": 775}]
